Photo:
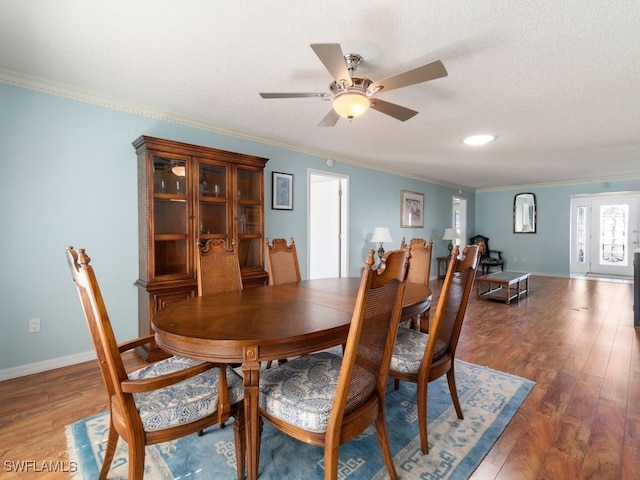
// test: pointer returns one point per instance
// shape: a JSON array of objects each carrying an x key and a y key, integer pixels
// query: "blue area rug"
[{"x": 489, "y": 401}]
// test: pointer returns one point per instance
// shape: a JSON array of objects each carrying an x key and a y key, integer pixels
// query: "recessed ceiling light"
[{"x": 481, "y": 139}]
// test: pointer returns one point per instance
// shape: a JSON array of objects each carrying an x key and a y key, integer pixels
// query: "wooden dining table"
[{"x": 256, "y": 325}]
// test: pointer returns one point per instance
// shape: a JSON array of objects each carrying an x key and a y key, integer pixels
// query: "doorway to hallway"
[
  {"x": 459, "y": 220},
  {"x": 328, "y": 224}
]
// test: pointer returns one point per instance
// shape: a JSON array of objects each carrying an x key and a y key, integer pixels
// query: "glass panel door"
[
  {"x": 249, "y": 217},
  {"x": 170, "y": 218},
  {"x": 614, "y": 234},
  {"x": 213, "y": 203}
]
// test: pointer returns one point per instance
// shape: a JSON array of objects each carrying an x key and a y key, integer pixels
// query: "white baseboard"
[{"x": 45, "y": 365}]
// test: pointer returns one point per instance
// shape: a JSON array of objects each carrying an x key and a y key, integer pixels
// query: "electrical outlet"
[{"x": 34, "y": 325}]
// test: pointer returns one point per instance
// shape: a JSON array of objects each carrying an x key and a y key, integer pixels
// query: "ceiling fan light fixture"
[
  {"x": 351, "y": 104},
  {"x": 481, "y": 139}
]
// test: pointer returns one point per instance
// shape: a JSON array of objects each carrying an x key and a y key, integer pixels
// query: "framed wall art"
[
  {"x": 411, "y": 209},
  {"x": 282, "y": 191}
]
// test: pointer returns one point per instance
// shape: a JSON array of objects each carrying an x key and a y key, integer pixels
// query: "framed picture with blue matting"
[{"x": 282, "y": 191}]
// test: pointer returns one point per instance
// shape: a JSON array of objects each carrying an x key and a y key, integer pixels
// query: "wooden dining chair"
[
  {"x": 421, "y": 358},
  {"x": 282, "y": 262},
  {"x": 283, "y": 266},
  {"x": 325, "y": 399},
  {"x": 161, "y": 401},
  {"x": 218, "y": 268},
  {"x": 420, "y": 272}
]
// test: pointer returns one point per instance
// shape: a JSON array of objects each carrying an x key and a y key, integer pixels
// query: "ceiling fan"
[{"x": 352, "y": 96}]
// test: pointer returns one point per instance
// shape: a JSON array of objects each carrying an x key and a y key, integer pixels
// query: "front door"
[
  {"x": 605, "y": 233},
  {"x": 614, "y": 235}
]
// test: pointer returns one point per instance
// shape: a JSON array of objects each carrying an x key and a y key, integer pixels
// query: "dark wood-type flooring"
[{"x": 575, "y": 338}]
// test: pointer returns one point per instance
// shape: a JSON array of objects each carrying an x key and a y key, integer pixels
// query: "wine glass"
[{"x": 216, "y": 190}]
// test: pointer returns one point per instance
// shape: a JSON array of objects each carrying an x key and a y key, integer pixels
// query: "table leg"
[{"x": 251, "y": 372}]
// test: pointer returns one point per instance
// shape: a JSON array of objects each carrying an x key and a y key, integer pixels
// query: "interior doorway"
[
  {"x": 328, "y": 224},
  {"x": 459, "y": 219},
  {"x": 604, "y": 234}
]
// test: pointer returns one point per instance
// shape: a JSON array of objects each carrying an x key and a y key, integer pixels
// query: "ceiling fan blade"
[
  {"x": 330, "y": 119},
  {"x": 421, "y": 74},
  {"x": 293, "y": 95},
  {"x": 396, "y": 111},
  {"x": 330, "y": 54}
]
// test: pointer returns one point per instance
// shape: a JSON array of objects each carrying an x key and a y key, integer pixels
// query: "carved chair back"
[
  {"x": 282, "y": 262},
  {"x": 218, "y": 268}
]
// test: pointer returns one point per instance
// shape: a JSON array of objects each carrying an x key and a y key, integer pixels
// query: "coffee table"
[{"x": 503, "y": 286}]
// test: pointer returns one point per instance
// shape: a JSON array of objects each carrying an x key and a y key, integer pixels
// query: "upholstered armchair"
[{"x": 488, "y": 258}]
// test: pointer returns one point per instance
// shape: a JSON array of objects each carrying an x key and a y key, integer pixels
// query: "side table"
[{"x": 443, "y": 264}]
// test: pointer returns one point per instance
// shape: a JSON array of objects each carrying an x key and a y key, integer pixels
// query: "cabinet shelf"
[
  {"x": 171, "y": 197},
  {"x": 169, "y": 236}
]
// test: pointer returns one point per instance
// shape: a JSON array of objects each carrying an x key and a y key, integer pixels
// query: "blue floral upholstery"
[
  {"x": 183, "y": 402},
  {"x": 301, "y": 392},
  {"x": 408, "y": 350}
]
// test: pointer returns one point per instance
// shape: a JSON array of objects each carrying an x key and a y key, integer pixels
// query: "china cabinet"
[{"x": 188, "y": 194}]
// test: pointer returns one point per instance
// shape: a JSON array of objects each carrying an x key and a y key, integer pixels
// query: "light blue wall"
[
  {"x": 69, "y": 178},
  {"x": 547, "y": 251}
]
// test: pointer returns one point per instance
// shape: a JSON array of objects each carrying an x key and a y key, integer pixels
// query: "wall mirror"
[{"x": 524, "y": 213}]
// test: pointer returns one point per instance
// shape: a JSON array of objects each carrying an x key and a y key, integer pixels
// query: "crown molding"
[
  {"x": 559, "y": 184},
  {"x": 114, "y": 103}
]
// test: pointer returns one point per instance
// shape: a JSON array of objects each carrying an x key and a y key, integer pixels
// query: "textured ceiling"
[{"x": 558, "y": 82}]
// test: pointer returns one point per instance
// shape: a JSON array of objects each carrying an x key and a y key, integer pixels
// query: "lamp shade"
[
  {"x": 381, "y": 235},
  {"x": 179, "y": 170},
  {"x": 351, "y": 104},
  {"x": 450, "y": 234}
]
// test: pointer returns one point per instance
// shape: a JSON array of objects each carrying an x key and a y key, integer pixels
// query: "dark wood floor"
[{"x": 575, "y": 338}]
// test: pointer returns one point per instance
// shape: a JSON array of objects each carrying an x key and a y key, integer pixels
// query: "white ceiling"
[{"x": 558, "y": 81}]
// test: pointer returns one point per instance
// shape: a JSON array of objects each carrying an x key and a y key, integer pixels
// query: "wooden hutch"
[{"x": 188, "y": 194}]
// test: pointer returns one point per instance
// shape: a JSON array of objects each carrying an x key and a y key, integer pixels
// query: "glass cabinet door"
[
  {"x": 212, "y": 202},
  {"x": 249, "y": 217},
  {"x": 170, "y": 217}
]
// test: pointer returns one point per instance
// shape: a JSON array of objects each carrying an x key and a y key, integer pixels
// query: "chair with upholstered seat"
[
  {"x": 218, "y": 268},
  {"x": 326, "y": 399},
  {"x": 282, "y": 262},
  {"x": 159, "y": 402},
  {"x": 421, "y": 358},
  {"x": 420, "y": 272},
  {"x": 488, "y": 258}
]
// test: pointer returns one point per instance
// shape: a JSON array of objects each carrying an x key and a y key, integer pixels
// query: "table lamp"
[
  {"x": 381, "y": 235},
  {"x": 450, "y": 234}
]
